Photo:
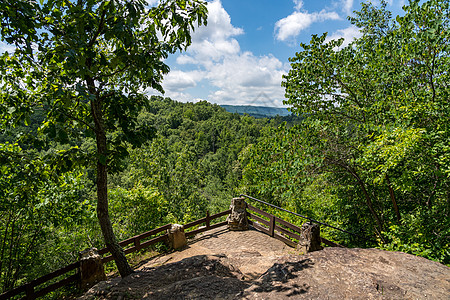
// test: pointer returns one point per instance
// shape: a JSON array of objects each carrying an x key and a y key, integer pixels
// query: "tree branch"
[{"x": 99, "y": 29}]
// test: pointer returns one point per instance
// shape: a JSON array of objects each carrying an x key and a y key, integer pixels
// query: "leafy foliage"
[
  {"x": 90, "y": 62},
  {"x": 375, "y": 131},
  {"x": 370, "y": 154},
  {"x": 193, "y": 160},
  {"x": 34, "y": 201},
  {"x": 189, "y": 167}
]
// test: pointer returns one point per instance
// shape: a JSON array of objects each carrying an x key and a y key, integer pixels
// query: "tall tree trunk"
[
  {"x": 394, "y": 201},
  {"x": 370, "y": 205},
  {"x": 102, "y": 195},
  {"x": 367, "y": 196}
]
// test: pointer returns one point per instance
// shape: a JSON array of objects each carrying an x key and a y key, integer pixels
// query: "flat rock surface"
[{"x": 221, "y": 264}]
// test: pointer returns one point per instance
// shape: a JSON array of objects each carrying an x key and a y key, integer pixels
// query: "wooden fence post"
[
  {"x": 208, "y": 225},
  {"x": 137, "y": 244},
  {"x": 29, "y": 289},
  {"x": 272, "y": 225}
]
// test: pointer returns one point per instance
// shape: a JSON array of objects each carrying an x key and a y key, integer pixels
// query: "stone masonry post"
[
  {"x": 237, "y": 220},
  {"x": 310, "y": 238},
  {"x": 91, "y": 268},
  {"x": 177, "y": 237}
]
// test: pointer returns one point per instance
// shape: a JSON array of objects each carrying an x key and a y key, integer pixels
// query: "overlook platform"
[{"x": 222, "y": 264}]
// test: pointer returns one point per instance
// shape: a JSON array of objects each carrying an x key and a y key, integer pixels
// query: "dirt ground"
[{"x": 222, "y": 264}]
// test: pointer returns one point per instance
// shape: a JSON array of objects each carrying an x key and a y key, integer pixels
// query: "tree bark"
[
  {"x": 366, "y": 195},
  {"x": 394, "y": 201},
  {"x": 369, "y": 202},
  {"x": 102, "y": 195}
]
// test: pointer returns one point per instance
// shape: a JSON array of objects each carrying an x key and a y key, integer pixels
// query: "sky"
[{"x": 239, "y": 58}]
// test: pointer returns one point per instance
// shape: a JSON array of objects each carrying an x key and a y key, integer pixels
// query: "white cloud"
[
  {"x": 217, "y": 39},
  {"x": 349, "y": 34},
  {"x": 6, "y": 47},
  {"x": 179, "y": 81},
  {"x": 291, "y": 26},
  {"x": 179, "y": 96},
  {"x": 298, "y": 4},
  {"x": 347, "y": 6},
  {"x": 231, "y": 76},
  {"x": 185, "y": 60},
  {"x": 152, "y": 2},
  {"x": 241, "y": 78}
]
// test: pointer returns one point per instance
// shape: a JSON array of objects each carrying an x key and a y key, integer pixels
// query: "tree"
[
  {"x": 34, "y": 203},
  {"x": 86, "y": 64},
  {"x": 376, "y": 124}
]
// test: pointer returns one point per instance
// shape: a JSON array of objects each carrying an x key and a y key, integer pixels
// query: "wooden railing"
[
  {"x": 138, "y": 242},
  {"x": 207, "y": 220},
  {"x": 259, "y": 219},
  {"x": 29, "y": 288},
  {"x": 278, "y": 228}
]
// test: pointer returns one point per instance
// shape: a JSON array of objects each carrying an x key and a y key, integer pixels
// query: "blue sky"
[{"x": 240, "y": 57}]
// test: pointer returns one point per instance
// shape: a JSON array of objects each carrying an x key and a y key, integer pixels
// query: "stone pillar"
[
  {"x": 91, "y": 268},
  {"x": 177, "y": 238},
  {"x": 309, "y": 238},
  {"x": 237, "y": 220}
]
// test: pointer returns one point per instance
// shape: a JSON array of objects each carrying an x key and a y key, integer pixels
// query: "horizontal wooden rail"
[
  {"x": 192, "y": 224},
  {"x": 55, "y": 274},
  {"x": 274, "y": 226},
  {"x": 276, "y": 233},
  {"x": 53, "y": 287},
  {"x": 207, "y": 219},
  {"x": 138, "y": 242},
  {"x": 221, "y": 214},
  {"x": 258, "y": 211},
  {"x": 145, "y": 235},
  {"x": 13, "y": 292},
  {"x": 146, "y": 244},
  {"x": 287, "y": 232},
  {"x": 258, "y": 219},
  {"x": 29, "y": 288},
  {"x": 257, "y": 226},
  {"x": 288, "y": 225},
  {"x": 278, "y": 228},
  {"x": 136, "y": 239},
  {"x": 285, "y": 240},
  {"x": 203, "y": 229},
  {"x": 330, "y": 243}
]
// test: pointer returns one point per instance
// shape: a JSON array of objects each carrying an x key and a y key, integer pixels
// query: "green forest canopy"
[
  {"x": 372, "y": 154},
  {"x": 85, "y": 64},
  {"x": 368, "y": 152}
]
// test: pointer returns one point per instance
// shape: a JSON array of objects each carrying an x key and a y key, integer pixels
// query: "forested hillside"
[
  {"x": 257, "y": 111},
  {"x": 87, "y": 158},
  {"x": 372, "y": 154},
  {"x": 188, "y": 165}
]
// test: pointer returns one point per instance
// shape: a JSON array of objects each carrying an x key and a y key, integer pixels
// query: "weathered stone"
[
  {"x": 237, "y": 220},
  {"x": 309, "y": 238},
  {"x": 177, "y": 238},
  {"x": 91, "y": 268},
  {"x": 220, "y": 264}
]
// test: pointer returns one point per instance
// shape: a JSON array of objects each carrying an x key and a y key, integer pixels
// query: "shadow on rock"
[
  {"x": 275, "y": 279},
  {"x": 197, "y": 277}
]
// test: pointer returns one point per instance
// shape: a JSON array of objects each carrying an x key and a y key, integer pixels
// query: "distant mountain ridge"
[{"x": 257, "y": 111}]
